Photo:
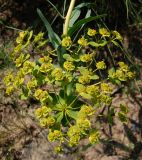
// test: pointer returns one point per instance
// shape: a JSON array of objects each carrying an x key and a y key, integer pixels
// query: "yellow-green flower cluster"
[
  {"x": 86, "y": 111},
  {"x": 28, "y": 67},
  {"x": 9, "y": 90},
  {"x": 91, "y": 32},
  {"x": 58, "y": 74},
  {"x": 104, "y": 32},
  {"x": 13, "y": 81},
  {"x": 55, "y": 135},
  {"x": 21, "y": 36},
  {"x": 41, "y": 95},
  {"x": 66, "y": 41},
  {"x": 117, "y": 35},
  {"x": 74, "y": 135},
  {"x": 85, "y": 76},
  {"x": 82, "y": 125},
  {"x": 74, "y": 140},
  {"x": 69, "y": 66},
  {"x": 38, "y": 37},
  {"x": 17, "y": 49},
  {"x": 39, "y": 41},
  {"x": 106, "y": 88},
  {"x": 80, "y": 88},
  {"x": 9, "y": 78},
  {"x": 20, "y": 60},
  {"x": 83, "y": 42},
  {"x": 46, "y": 67},
  {"x": 101, "y": 65},
  {"x": 24, "y": 39},
  {"x": 104, "y": 98},
  {"x": 103, "y": 92},
  {"x": 42, "y": 112},
  {"x": 123, "y": 73},
  {"x": 92, "y": 90},
  {"x": 58, "y": 149},
  {"x": 94, "y": 137},
  {"x": 18, "y": 81},
  {"x": 32, "y": 83},
  {"x": 8, "y": 81},
  {"x": 86, "y": 57},
  {"x": 69, "y": 90},
  {"x": 47, "y": 122},
  {"x": 98, "y": 93},
  {"x": 44, "y": 115},
  {"x": 84, "y": 79},
  {"x": 123, "y": 66},
  {"x": 45, "y": 59},
  {"x": 89, "y": 91},
  {"x": 46, "y": 64}
]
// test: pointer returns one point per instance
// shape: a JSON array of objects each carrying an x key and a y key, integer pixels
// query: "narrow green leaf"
[
  {"x": 67, "y": 57},
  {"x": 78, "y": 24},
  {"x": 80, "y": 87},
  {"x": 60, "y": 52},
  {"x": 84, "y": 5},
  {"x": 103, "y": 43},
  {"x": 72, "y": 114},
  {"x": 87, "y": 15},
  {"x": 116, "y": 43},
  {"x": 53, "y": 37},
  {"x": 111, "y": 72},
  {"x": 94, "y": 44},
  {"x": 50, "y": 99},
  {"x": 95, "y": 77},
  {"x": 85, "y": 95},
  {"x": 75, "y": 15},
  {"x": 83, "y": 70},
  {"x": 25, "y": 93},
  {"x": 116, "y": 81},
  {"x": 69, "y": 89},
  {"x": 59, "y": 117},
  {"x": 23, "y": 97},
  {"x": 77, "y": 11}
]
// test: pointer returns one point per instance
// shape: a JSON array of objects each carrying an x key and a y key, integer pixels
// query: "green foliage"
[
  {"x": 69, "y": 94},
  {"x": 53, "y": 37},
  {"x": 78, "y": 24},
  {"x": 4, "y": 55},
  {"x": 119, "y": 12},
  {"x": 122, "y": 114}
]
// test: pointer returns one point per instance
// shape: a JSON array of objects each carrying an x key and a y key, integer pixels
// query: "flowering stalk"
[
  {"x": 68, "y": 96},
  {"x": 65, "y": 29}
]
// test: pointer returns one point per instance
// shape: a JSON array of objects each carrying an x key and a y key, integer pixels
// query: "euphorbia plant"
[{"x": 71, "y": 92}]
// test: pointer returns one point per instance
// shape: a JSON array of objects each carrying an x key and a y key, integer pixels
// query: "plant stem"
[{"x": 67, "y": 19}]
